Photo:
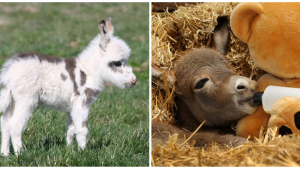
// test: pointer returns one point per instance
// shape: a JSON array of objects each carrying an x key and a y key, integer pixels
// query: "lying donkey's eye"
[
  {"x": 118, "y": 63},
  {"x": 201, "y": 83}
]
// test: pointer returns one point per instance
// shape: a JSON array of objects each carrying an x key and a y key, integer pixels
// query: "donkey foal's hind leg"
[
  {"x": 5, "y": 119},
  {"x": 21, "y": 114}
]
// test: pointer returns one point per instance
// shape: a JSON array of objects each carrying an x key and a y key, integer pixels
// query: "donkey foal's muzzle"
[{"x": 132, "y": 81}]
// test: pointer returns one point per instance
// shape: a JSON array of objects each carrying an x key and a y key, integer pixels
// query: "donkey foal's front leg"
[
  {"x": 79, "y": 116},
  {"x": 70, "y": 129}
]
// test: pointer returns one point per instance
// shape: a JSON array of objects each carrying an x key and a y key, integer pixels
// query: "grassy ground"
[{"x": 118, "y": 121}]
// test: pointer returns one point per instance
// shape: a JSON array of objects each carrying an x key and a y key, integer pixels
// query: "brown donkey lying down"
[{"x": 207, "y": 88}]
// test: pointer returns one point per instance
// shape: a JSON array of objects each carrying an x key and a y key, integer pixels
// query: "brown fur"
[
  {"x": 2, "y": 86},
  {"x": 63, "y": 77},
  {"x": 85, "y": 123},
  {"x": 215, "y": 100},
  {"x": 90, "y": 95},
  {"x": 41, "y": 57},
  {"x": 161, "y": 132},
  {"x": 70, "y": 67},
  {"x": 82, "y": 78}
]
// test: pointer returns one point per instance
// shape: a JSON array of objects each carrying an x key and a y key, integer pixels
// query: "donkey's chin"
[
  {"x": 131, "y": 85},
  {"x": 248, "y": 105}
]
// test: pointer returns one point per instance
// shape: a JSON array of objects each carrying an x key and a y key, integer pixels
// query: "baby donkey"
[{"x": 71, "y": 85}]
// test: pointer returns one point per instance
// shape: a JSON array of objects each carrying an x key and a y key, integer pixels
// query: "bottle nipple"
[{"x": 257, "y": 98}]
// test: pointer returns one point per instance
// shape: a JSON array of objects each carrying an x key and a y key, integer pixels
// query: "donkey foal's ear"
[
  {"x": 110, "y": 28},
  {"x": 103, "y": 34},
  {"x": 219, "y": 39}
]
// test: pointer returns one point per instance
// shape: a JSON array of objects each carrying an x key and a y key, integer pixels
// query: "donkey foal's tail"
[{"x": 5, "y": 98}]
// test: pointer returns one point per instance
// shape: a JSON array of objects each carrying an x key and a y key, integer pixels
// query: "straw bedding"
[
  {"x": 186, "y": 28},
  {"x": 268, "y": 150}
]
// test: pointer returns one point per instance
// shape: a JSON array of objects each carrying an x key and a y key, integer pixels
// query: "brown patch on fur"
[
  {"x": 63, "y": 77},
  {"x": 82, "y": 78},
  {"x": 70, "y": 67},
  {"x": 85, "y": 123},
  {"x": 41, "y": 57},
  {"x": 2, "y": 86},
  {"x": 91, "y": 95}
]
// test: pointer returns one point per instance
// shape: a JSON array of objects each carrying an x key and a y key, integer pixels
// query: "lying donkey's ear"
[
  {"x": 219, "y": 38},
  {"x": 103, "y": 34},
  {"x": 163, "y": 79}
]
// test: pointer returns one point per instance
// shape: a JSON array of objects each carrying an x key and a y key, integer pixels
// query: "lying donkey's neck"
[{"x": 90, "y": 61}]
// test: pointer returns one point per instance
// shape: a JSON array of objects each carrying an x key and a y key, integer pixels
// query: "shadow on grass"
[
  {"x": 51, "y": 141},
  {"x": 47, "y": 142},
  {"x": 97, "y": 145}
]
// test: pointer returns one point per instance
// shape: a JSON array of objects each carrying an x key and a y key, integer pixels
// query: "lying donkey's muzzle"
[{"x": 243, "y": 89}]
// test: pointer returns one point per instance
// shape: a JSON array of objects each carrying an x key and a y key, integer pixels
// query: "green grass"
[{"x": 118, "y": 120}]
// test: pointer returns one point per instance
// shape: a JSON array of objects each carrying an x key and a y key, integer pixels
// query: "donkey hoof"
[{"x": 5, "y": 153}]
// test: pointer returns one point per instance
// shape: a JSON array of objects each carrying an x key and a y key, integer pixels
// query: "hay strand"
[{"x": 192, "y": 134}]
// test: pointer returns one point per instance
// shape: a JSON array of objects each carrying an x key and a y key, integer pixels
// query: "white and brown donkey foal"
[{"x": 72, "y": 85}]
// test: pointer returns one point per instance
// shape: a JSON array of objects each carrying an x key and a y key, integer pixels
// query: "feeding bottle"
[{"x": 272, "y": 94}]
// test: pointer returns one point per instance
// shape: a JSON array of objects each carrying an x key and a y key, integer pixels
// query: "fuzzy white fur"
[{"x": 28, "y": 82}]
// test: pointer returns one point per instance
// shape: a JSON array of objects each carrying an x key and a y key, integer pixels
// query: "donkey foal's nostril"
[{"x": 241, "y": 85}]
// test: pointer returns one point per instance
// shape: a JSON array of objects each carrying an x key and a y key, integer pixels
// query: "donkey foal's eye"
[
  {"x": 118, "y": 63},
  {"x": 201, "y": 83}
]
